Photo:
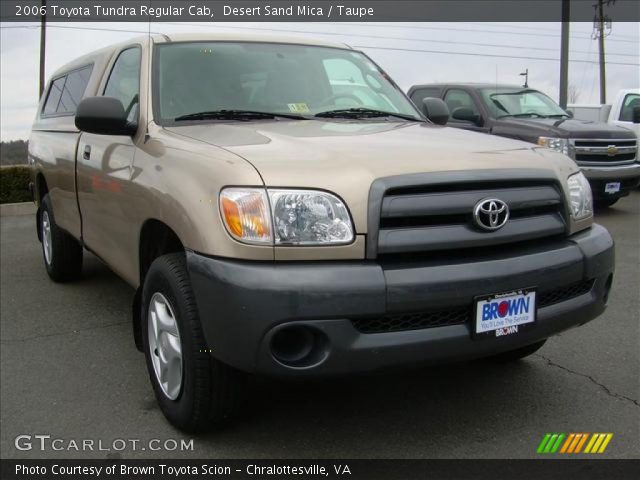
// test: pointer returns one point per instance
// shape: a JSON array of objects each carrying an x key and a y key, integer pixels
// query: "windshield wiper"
[
  {"x": 364, "y": 113},
  {"x": 521, "y": 115},
  {"x": 244, "y": 115}
]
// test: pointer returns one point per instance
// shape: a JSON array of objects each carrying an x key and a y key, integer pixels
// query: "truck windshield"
[
  {"x": 520, "y": 103},
  {"x": 243, "y": 80}
]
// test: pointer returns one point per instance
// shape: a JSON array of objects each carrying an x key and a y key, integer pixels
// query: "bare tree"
[{"x": 574, "y": 94}]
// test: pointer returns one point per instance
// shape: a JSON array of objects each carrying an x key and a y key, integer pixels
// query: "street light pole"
[{"x": 525, "y": 74}]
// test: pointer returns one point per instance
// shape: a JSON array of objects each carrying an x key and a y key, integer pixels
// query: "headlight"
[
  {"x": 286, "y": 217},
  {"x": 561, "y": 145},
  {"x": 580, "y": 196},
  {"x": 308, "y": 217}
]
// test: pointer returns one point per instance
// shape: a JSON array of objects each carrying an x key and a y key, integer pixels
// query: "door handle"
[{"x": 87, "y": 152}]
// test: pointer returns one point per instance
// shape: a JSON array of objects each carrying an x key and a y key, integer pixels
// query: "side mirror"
[
  {"x": 103, "y": 116},
  {"x": 435, "y": 110},
  {"x": 635, "y": 115},
  {"x": 465, "y": 114}
]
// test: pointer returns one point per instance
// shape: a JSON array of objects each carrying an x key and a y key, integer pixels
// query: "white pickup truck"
[{"x": 621, "y": 112}]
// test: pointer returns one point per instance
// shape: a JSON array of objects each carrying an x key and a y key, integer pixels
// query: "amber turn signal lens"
[{"x": 245, "y": 212}]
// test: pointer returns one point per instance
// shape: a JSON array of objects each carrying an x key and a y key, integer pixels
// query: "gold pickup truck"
[{"x": 282, "y": 208}]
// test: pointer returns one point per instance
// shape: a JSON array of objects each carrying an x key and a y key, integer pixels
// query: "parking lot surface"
[{"x": 69, "y": 369}]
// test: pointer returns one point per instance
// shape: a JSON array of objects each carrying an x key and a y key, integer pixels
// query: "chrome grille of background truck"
[{"x": 605, "y": 152}]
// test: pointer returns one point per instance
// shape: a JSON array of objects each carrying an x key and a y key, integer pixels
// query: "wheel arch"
[
  {"x": 41, "y": 190},
  {"x": 156, "y": 239}
]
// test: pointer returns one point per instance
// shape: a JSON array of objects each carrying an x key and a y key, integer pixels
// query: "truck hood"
[
  {"x": 345, "y": 157},
  {"x": 568, "y": 128}
]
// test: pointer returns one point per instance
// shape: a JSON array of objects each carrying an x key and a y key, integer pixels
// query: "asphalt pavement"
[{"x": 69, "y": 369}]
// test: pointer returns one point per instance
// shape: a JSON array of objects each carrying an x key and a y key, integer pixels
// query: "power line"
[
  {"x": 378, "y": 37},
  {"x": 415, "y": 27},
  {"x": 537, "y": 29},
  {"x": 356, "y": 46},
  {"x": 4, "y": 27},
  {"x": 486, "y": 55}
]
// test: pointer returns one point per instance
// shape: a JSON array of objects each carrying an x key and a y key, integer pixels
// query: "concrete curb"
[{"x": 14, "y": 209}]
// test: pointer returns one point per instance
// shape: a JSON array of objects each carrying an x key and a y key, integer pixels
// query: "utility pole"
[
  {"x": 43, "y": 44},
  {"x": 602, "y": 28},
  {"x": 564, "y": 53}
]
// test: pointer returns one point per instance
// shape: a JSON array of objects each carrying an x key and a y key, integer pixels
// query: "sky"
[{"x": 411, "y": 53}]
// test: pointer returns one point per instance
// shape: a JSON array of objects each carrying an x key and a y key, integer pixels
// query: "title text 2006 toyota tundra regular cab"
[{"x": 282, "y": 208}]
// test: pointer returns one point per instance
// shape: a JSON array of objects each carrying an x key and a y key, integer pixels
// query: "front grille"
[
  {"x": 427, "y": 219},
  {"x": 605, "y": 152},
  {"x": 458, "y": 315},
  {"x": 565, "y": 293},
  {"x": 412, "y": 321}
]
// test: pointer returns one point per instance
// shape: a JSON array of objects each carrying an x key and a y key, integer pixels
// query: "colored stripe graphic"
[
  {"x": 567, "y": 443},
  {"x": 551, "y": 442},
  {"x": 581, "y": 443},
  {"x": 598, "y": 443},
  {"x": 543, "y": 443},
  {"x": 573, "y": 443}
]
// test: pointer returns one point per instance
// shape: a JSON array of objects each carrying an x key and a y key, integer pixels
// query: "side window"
[
  {"x": 459, "y": 99},
  {"x": 55, "y": 92},
  {"x": 66, "y": 92},
  {"x": 626, "y": 112},
  {"x": 421, "y": 93},
  {"x": 73, "y": 90},
  {"x": 124, "y": 81}
]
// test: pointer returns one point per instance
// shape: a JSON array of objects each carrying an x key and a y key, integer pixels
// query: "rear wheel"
[
  {"x": 61, "y": 252},
  {"x": 519, "y": 353},
  {"x": 195, "y": 391}
]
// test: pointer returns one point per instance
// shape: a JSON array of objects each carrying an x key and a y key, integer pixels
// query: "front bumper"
[
  {"x": 242, "y": 305},
  {"x": 627, "y": 175}
]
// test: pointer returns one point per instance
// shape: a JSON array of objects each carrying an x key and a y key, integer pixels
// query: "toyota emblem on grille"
[{"x": 491, "y": 214}]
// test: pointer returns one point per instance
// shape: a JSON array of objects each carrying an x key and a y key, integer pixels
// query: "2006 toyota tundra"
[{"x": 282, "y": 208}]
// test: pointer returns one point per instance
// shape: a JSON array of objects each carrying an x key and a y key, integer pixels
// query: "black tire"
[
  {"x": 604, "y": 202},
  {"x": 519, "y": 353},
  {"x": 210, "y": 391},
  {"x": 64, "y": 260}
]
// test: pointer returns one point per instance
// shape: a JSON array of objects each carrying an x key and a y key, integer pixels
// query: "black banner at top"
[{"x": 315, "y": 10}]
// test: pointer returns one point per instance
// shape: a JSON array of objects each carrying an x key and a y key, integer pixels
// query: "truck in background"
[
  {"x": 625, "y": 111},
  {"x": 607, "y": 154}
]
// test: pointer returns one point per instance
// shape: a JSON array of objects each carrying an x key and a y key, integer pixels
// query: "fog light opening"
[
  {"x": 607, "y": 289},
  {"x": 299, "y": 346}
]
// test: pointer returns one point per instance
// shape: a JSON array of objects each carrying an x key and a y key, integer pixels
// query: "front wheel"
[{"x": 194, "y": 391}]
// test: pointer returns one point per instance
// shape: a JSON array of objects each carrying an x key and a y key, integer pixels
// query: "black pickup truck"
[{"x": 607, "y": 154}]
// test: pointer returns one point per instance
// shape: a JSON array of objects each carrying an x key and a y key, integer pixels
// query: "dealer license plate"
[
  {"x": 612, "y": 187},
  {"x": 504, "y": 313}
]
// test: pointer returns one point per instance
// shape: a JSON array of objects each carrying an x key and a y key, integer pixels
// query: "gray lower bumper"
[
  {"x": 627, "y": 175},
  {"x": 243, "y": 304}
]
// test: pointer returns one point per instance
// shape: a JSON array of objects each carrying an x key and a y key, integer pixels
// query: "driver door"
[{"x": 105, "y": 167}]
